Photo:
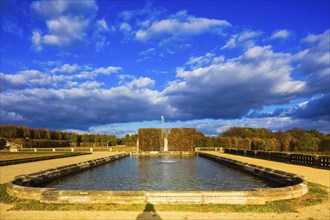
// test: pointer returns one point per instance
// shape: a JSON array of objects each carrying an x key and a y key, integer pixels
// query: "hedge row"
[
  {"x": 179, "y": 139},
  {"x": 40, "y": 143},
  {"x": 182, "y": 139},
  {"x": 150, "y": 139}
]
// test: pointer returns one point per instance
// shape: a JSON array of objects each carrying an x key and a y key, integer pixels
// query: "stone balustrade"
[{"x": 320, "y": 161}]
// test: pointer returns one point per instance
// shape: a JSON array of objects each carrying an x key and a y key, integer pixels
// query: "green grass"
[{"x": 317, "y": 194}]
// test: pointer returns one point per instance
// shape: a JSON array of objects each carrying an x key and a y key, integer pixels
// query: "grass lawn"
[{"x": 317, "y": 194}]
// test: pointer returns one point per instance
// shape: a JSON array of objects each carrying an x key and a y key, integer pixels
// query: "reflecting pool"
[{"x": 145, "y": 173}]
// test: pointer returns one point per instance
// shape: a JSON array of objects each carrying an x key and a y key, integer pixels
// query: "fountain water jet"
[{"x": 165, "y": 133}]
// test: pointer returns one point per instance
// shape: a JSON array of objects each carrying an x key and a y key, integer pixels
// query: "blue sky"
[{"x": 115, "y": 66}]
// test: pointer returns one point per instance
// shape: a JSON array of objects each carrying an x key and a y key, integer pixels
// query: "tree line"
[
  {"x": 263, "y": 139},
  {"x": 36, "y": 137},
  {"x": 236, "y": 137}
]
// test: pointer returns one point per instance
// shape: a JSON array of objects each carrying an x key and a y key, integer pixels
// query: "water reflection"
[
  {"x": 149, "y": 212},
  {"x": 160, "y": 173}
]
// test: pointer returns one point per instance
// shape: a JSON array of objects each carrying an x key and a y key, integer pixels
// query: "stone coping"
[{"x": 293, "y": 186}]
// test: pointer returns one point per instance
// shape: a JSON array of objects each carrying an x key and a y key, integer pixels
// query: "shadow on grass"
[{"x": 149, "y": 212}]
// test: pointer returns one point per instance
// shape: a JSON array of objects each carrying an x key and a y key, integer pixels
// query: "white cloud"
[
  {"x": 230, "y": 44},
  {"x": 65, "y": 30},
  {"x": 102, "y": 25},
  {"x": 58, "y": 77},
  {"x": 66, "y": 21},
  {"x": 90, "y": 85},
  {"x": 314, "y": 62},
  {"x": 66, "y": 68},
  {"x": 25, "y": 78},
  {"x": 106, "y": 71},
  {"x": 125, "y": 27},
  {"x": 56, "y": 8},
  {"x": 245, "y": 38},
  {"x": 37, "y": 40},
  {"x": 281, "y": 34},
  {"x": 142, "y": 82},
  {"x": 231, "y": 88},
  {"x": 100, "y": 35},
  {"x": 179, "y": 25},
  {"x": 207, "y": 59}
]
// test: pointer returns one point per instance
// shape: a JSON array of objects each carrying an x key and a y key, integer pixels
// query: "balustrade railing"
[{"x": 321, "y": 161}]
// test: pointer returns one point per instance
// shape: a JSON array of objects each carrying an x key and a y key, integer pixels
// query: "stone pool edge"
[{"x": 294, "y": 186}]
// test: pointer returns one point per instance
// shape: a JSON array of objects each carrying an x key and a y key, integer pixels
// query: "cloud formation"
[
  {"x": 209, "y": 86},
  {"x": 154, "y": 26},
  {"x": 186, "y": 25},
  {"x": 179, "y": 24},
  {"x": 281, "y": 34},
  {"x": 230, "y": 89},
  {"x": 66, "y": 22},
  {"x": 245, "y": 38}
]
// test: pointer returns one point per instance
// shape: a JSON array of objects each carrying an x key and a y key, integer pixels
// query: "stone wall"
[{"x": 292, "y": 186}]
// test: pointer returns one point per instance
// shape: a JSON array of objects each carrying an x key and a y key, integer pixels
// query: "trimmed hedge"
[
  {"x": 182, "y": 139},
  {"x": 179, "y": 139},
  {"x": 40, "y": 143},
  {"x": 150, "y": 139}
]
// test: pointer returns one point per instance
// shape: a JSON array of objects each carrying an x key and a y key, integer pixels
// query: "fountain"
[{"x": 165, "y": 133}]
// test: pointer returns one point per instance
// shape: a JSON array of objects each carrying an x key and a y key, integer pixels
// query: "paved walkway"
[
  {"x": 311, "y": 174},
  {"x": 8, "y": 173}
]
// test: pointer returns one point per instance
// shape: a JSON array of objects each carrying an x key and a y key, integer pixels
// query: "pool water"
[{"x": 145, "y": 173}]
